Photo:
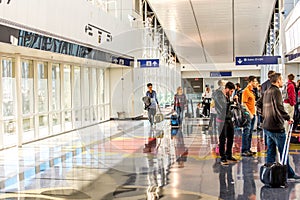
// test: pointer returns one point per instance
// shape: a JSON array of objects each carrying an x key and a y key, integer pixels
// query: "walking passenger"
[
  {"x": 154, "y": 103},
  {"x": 221, "y": 97},
  {"x": 248, "y": 100},
  {"x": 274, "y": 116},
  {"x": 206, "y": 101},
  {"x": 179, "y": 103}
]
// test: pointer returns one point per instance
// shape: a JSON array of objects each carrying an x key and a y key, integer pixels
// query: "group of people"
[
  {"x": 275, "y": 113},
  {"x": 180, "y": 102}
]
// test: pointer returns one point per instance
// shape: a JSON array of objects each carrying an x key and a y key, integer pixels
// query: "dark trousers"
[{"x": 226, "y": 131}]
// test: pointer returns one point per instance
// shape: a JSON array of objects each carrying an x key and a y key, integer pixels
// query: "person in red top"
[{"x": 290, "y": 102}]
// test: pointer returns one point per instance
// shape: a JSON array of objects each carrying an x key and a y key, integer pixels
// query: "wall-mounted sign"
[{"x": 220, "y": 74}]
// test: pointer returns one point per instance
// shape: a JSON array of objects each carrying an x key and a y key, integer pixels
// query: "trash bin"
[{"x": 121, "y": 115}]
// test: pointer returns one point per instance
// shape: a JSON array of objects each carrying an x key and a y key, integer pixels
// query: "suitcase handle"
[{"x": 286, "y": 147}]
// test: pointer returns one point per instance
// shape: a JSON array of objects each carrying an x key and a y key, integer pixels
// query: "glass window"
[
  {"x": 42, "y": 87},
  {"x": 77, "y": 93},
  {"x": 85, "y": 92},
  {"x": 67, "y": 87},
  {"x": 27, "y": 87},
  {"x": 9, "y": 90},
  {"x": 101, "y": 86},
  {"x": 55, "y": 87},
  {"x": 93, "y": 87}
]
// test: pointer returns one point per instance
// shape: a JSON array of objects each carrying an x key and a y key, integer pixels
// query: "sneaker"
[
  {"x": 294, "y": 177},
  {"x": 253, "y": 153},
  {"x": 232, "y": 159},
  {"x": 224, "y": 162},
  {"x": 247, "y": 154}
]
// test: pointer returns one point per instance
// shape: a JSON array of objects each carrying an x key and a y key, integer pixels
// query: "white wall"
[{"x": 51, "y": 17}]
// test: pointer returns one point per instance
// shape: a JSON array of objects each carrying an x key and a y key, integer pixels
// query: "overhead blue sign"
[
  {"x": 220, "y": 74},
  {"x": 257, "y": 60},
  {"x": 148, "y": 62},
  {"x": 122, "y": 61}
]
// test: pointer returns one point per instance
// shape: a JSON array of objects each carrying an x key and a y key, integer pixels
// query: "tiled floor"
[{"x": 129, "y": 160}]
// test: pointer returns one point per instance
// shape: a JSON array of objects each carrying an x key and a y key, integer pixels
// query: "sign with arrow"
[
  {"x": 143, "y": 63},
  {"x": 257, "y": 60},
  {"x": 122, "y": 61}
]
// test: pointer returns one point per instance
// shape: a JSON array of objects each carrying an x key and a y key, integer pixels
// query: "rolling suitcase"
[
  {"x": 275, "y": 174},
  {"x": 174, "y": 120}
]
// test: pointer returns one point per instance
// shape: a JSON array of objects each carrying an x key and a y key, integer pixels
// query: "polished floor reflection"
[{"x": 130, "y": 160}]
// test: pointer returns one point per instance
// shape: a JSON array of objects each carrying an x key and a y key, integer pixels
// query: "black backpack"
[
  {"x": 239, "y": 116},
  {"x": 147, "y": 102}
]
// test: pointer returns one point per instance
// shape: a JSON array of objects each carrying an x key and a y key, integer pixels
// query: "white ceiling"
[{"x": 223, "y": 32}]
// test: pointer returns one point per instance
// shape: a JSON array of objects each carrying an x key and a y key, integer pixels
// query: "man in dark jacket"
[
  {"x": 221, "y": 98},
  {"x": 274, "y": 115}
]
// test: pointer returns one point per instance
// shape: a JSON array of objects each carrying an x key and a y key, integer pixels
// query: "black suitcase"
[
  {"x": 275, "y": 174},
  {"x": 174, "y": 120}
]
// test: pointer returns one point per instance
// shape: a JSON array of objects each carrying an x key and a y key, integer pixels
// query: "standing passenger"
[
  {"x": 248, "y": 100},
  {"x": 273, "y": 125},
  {"x": 290, "y": 102},
  {"x": 221, "y": 98},
  {"x": 154, "y": 103},
  {"x": 267, "y": 83}
]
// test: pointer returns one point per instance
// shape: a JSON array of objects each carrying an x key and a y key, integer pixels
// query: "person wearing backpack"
[
  {"x": 289, "y": 98},
  {"x": 221, "y": 97}
]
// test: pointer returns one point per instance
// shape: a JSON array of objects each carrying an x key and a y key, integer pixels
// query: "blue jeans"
[
  {"x": 273, "y": 140},
  {"x": 151, "y": 114},
  {"x": 179, "y": 111},
  {"x": 247, "y": 134}
]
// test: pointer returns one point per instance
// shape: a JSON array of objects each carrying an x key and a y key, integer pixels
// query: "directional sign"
[
  {"x": 122, "y": 61},
  {"x": 148, "y": 62},
  {"x": 220, "y": 74},
  {"x": 257, "y": 60}
]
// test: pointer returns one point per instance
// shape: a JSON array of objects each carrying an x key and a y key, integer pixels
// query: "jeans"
[
  {"x": 226, "y": 138},
  {"x": 273, "y": 140},
  {"x": 247, "y": 134},
  {"x": 179, "y": 111},
  {"x": 151, "y": 113}
]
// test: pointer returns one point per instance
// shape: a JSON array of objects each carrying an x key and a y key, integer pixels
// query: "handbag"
[{"x": 159, "y": 117}]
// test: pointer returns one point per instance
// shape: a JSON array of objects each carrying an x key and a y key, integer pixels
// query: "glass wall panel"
[
  {"x": 56, "y": 120},
  {"x": 77, "y": 93},
  {"x": 28, "y": 129},
  {"x": 9, "y": 89},
  {"x": 101, "y": 86},
  {"x": 42, "y": 87},
  {"x": 85, "y": 96},
  {"x": 8, "y": 102},
  {"x": 27, "y": 87},
  {"x": 43, "y": 125},
  {"x": 55, "y": 87},
  {"x": 93, "y": 87},
  {"x": 67, "y": 87},
  {"x": 67, "y": 97}
]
